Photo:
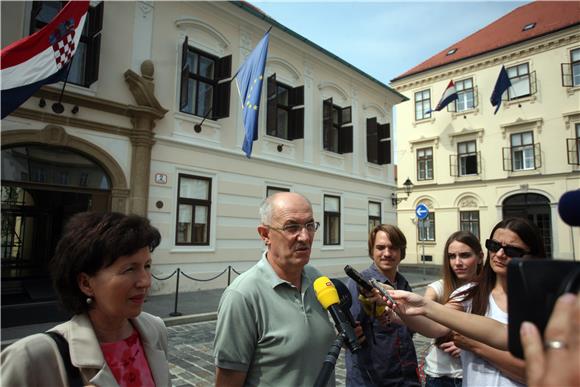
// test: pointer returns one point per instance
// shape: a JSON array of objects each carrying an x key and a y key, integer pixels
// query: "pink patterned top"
[{"x": 127, "y": 360}]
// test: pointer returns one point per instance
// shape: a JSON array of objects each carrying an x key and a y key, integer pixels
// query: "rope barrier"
[
  {"x": 234, "y": 270},
  {"x": 166, "y": 278},
  {"x": 203, "y": 280}
]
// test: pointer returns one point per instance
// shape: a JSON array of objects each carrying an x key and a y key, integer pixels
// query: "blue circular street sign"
[{"x": 422, "y": 211}]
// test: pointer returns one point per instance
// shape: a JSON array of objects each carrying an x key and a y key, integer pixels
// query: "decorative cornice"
[
  {"x": 286, "y": 65},
  {"x": 143, "y": 89},
  {"x": 534, "y": 122},
  {"x": 82, "y": 100},
  {"x": 571, "y": 117},
  {"x": 453, "y": 70},
  {"x": 375, "y": 106},
  {"x": 467, "y": 132},
  {"x": 193, "y": 23},
  {"x": 422, "y": 139},
  {"x": 331, "y": 85},
  {"x": 57, "y": 119}
]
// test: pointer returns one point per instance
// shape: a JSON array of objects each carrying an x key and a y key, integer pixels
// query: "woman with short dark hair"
[{"x": 101, "y": 273}]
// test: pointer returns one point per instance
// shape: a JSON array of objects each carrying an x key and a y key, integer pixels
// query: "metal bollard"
[
  {"x": 229, "y": 274},
  {"x": 175, "y": 313}
]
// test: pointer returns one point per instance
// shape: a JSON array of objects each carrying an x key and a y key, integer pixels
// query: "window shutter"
[
  {"x": 345, "y": 139},
  {"x": 95, "y": 20},
  {"x": 372, "y": 140},
  {"x": 566, "y": 69},
  {"x": 537, "y": 156},
  {"x": 507, "y": 159},
  {"x": 221, "y": 103},
  {"x": 297, "y": 96},
  {"x": 326, "y": 122},
  {"x": 453, "y": 170},
  {"x": 346, "y": 115},
  {"x": 384, "y": 144},
  {"x": 272, "y": 108},
  {"x": 183, "y": 97},
  {"x": 296, "y": 124}
]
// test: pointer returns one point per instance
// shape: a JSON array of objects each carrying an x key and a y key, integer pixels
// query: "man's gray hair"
[{"x": 268, "y": 204}]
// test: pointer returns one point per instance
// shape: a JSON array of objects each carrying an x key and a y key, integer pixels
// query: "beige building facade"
[
  {"x": 132, "y": 138},
  {"x": 472, "y": 167}
]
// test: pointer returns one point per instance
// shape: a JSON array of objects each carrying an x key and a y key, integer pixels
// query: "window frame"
[
  {"x": 464, "y": 93},
  {"x": 461, "y": 156},
  {"x": 471, "y": 222},
  {"x": 517, "y": 78},
  {"x": 575, "y": 67},
  {"x": 294, "y": 109},
  {"x": 521, "y": 152},
  {"x": 429, "y": 229},
  {"x": 328, "y": 217},
  {"x": 425, "y": 113},
  {"x": 425, "y": 164},
  {"x": 374, "y": 220},
  {"x": 193, "y": 203},
  {"x": 378, "y": 142},
  {"x": 340, "y": 128},
  {"x": 271, "y": 190}
]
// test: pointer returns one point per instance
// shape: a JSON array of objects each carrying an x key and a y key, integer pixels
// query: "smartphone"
[
  {"x": 356, "y": 277},
  {"x": 378, "y": 286},
  {"x": 534, "y": 285}
]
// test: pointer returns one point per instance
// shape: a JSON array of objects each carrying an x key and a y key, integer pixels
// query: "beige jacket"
[{"x": 35, "y": 360}]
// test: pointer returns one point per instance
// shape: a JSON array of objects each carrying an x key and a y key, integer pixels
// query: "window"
[
  {"x": 521, "y": 80},
  {"x": 193, "y": 213},
  {"x": 331, "y": 220},
  {"x": 285, "y": 115},
  {"x": 378, "y": 142},
  {"x": 427, "y": 228},
  {"x": 522, "y": 145},
  {"x": 84, "y": 69},
  {"x": 575, "y": 62},
  {"x": 469, "y": 221},
  {"x": 574, "y": 147},
  {"x": 374, "y": 215},
  {"x": 465, "y": 95},
  {"x": 272, "y": 190},
  {"x": 425, "y": 164},
  {"x": 467, "y": 154},
  {"x": 205, "y": 85},
  {"x": 422, "y": 105},
  {"x": 337, "y": 127}
]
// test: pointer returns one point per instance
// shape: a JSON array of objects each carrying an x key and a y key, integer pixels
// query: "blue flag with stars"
[{"x": 249, "y": 81}]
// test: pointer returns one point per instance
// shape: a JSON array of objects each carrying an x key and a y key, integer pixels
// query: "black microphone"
[
  {"x": 328, "y": 297},
  {"x": 569, "y": 208}
]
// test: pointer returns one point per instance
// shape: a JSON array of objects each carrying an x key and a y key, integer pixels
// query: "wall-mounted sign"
[{"x": 161, "y": 178}]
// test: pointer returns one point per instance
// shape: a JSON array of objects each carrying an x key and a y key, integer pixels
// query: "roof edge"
[{"x": 254, "y": 11}]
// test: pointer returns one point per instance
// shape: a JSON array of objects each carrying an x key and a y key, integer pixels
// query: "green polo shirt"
[{"x": 272, "y": 331}]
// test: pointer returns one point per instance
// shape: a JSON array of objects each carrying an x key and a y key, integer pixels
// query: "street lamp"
[{"x": 408, "y": 186}]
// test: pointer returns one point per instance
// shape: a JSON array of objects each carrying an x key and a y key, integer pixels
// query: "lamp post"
[{"x": 408, "y": 186}]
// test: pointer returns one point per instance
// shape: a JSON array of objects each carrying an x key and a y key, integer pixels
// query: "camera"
[{"x": 534, "y": 285}]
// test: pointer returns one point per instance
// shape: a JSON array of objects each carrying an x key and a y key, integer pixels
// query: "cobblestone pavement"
[{"x": 191, "y": 349}]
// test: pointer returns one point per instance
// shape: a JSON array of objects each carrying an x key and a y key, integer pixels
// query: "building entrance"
[
  {"x": 42, "y": 187},
  {"x": 535, "y": 208}
]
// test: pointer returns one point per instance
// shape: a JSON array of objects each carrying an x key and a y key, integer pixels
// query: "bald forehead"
[{"x": 286, "y": 203}]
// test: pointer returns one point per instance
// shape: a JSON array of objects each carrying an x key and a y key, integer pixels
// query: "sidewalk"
[{"x": 192, "y": 306}]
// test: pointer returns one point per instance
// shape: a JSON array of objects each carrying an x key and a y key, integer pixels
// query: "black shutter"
[
  {"x": 345, "y": 139},
  {"x": 346, "y": 115},
  {"x": 183, "y": 97},
  {"x": 372, "y": 140},
  {"x": 296, "y": 119},
  {"x": 384, "y": 144},
  {"x": 326, "y": 123},
  {"x": 95, "y": 16},
  {"x": 272, "y": 106},
  {"x": 296, "y": 97},
  {"x": 296, "y": 123},
  {"x": 221, "y": 102}
]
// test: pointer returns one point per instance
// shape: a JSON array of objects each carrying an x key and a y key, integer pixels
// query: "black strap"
[{"x": 73, "y": 373}]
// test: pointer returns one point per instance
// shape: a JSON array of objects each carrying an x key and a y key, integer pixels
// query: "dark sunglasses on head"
[{"x": 510, "y": 251}]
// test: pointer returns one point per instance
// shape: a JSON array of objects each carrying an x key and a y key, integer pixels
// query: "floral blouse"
[{"x": 127, "y": 360}]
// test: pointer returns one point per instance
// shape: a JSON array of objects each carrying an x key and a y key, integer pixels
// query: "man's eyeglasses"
[
  {"x": 510, "y": 251},
  {"x": 295, "y": 228}
]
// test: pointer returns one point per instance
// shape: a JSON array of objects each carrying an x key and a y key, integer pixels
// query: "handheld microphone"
[
  {"x": 569, "y": 208},
  {"x": 328, "y": 297}
]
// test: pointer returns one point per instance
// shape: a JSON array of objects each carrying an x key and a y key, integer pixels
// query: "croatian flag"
[
  {"x": 42, "y": 57},
  {"x": 449, "y": 95}
]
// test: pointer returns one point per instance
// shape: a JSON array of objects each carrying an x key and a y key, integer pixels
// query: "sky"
[{"x": 385, "y": 38}]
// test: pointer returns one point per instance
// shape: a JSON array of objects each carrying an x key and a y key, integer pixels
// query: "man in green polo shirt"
[{"x": 271, "y": 330}]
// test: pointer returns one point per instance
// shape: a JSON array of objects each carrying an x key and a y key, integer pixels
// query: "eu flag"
[
  {"x": 501, "y": 85},
  {"x": 249, "y": 81}
]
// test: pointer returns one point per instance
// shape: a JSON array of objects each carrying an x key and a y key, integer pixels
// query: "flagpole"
[
  {"x": 197, "y": 127},
  {"x": 57, "y": 106}
]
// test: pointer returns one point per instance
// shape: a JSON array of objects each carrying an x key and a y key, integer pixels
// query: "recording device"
[
  {"x": 328, "y": 297},
  {"x": 367, "y": 285},
  {"x": 533, "y": 288},
  {"x": 569, "y": 208}
]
